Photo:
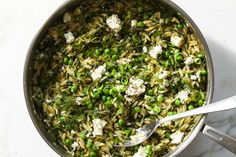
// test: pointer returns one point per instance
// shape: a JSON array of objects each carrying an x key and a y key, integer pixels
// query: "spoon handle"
[
  {"x": 220, "y": 138},
  {"x": 222, "y": 105}
]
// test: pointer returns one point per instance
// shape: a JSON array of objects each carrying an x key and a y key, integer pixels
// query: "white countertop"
[{"x": 21, "y": 19}]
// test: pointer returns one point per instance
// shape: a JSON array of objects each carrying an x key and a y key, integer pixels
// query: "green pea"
[
  {"x": 180, "y": 26},
  {"x": 92, "y": 153},
  {"x": 83, "y": 135},
  {"x": 115, "y": 50},
  {"x": 107, "y": 51},
  {"x": 167, "y": 20},
  {"x": 160, "y": 98},
  {"x": 129, "y": 15},
  {"x": 170, "y": 113},
  {"x": 106, "y": 91},
  {"x": 74, "y": 88},
  {"x": 140, "y": 24},
  {"x": 179, "y": 58},
  {"x": 190, "y": 107},
  {"x": 197, "y": 61},
  {"x": 96, "y": 95},
  {"x": 104, "y": 98},
  {"x": 121, "y": 122},
  {"x": 150, "y": 92},
  {"x": 145, "y": 17},
  {"x": 68, "y": 142},
  {"x": 108, "y": 104},
  {"x": 137, "y": 109},
  {"x": 113, "y": 91},
  {"x": 114, "y": 57},
  {"x": 97, "y": 52},
  {"x": 66, "y": 60},
  {"x": 157, "y": 109},
  {"x": 203, "y": 72},
  {"x": 200, "y": 55},
  {"x": 89, "y": 144},
  {"x": 70, "y": 62},
  {"x": 109, "y": 98},
  {"x": 167, "y": 135},
  {"x": 121, "y": 110},
  {"x": 149, "y": 150},
  {"x": 140, "y": 9},
  {"x": 58, "y": 101},
  {"x": 200, "y": 102},
  {"x": 177, "y": 102},
  {"x": 90, "y": 105},
  {"x": 99, "y": 90}
]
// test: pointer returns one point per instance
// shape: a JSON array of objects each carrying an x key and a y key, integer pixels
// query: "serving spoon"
[{"x": 147, "y": 130}]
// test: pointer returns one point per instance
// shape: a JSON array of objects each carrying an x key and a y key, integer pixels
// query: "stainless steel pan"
[{"x": 37, "y": 118}]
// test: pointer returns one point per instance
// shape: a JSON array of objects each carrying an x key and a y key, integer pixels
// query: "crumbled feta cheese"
[
  {"x": 88, "y": 134},
  {"x": 97, "y": 73},
  {"x": 114, "y": 23},
  {"x": 106, "y": 155},
  {"x": 177, "y": 137},
  {"x": 183, "y": 95},
  {"x": 136, "y": 87},
  {"x": 69, "y": 37},
  {"x": 74, "y": 145},
  {"x": 155, "y": 51},
  {"x": 177, "y": 41},
  {"x": 78, "y": 100},
  {"x": 67, "y": 17},
  {"x": 48, "y": 101},
  {"x": 133, "y": 23},
  {"x": 145, "y": 49},
  {"x": 162, "y": 74},
  {"x": 72, "y": 132},
  {"x": 193, "y": 77},
  {"x": 189, "y": 60},
  {"x": 124, "y": 61},
  {"x": 98, "y": 125},
  {"x": 141, "y": 152}
]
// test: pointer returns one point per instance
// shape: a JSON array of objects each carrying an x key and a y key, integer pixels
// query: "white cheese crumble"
[
  {"x": 106, "y": 155},
  {"x": 155, "y": 51},
  {"x": 67, "y": 17},
  {"x": 141, "y": 152},
  {"x": 133, "y": 23},
  {"x": 177, "y": 137},
  {"x": 114, "y": 23},
  {"x": 145, "y": 49},
  {"x": 136, "y": 87},
  {"x": 140, "y": 135},
  {"x": 177, "y": 41},
  {"x": 69, "y": 37},
  {"x": 88, "y": 134},
  {"x": 78, "y": 100},
  {"x": 74, "y": 145},
  {"x": 162, "y": 74},
  {"x": 98, "y": 125},
  {"x": 124, "y": 61},
  {"x": 97, "y": 73},
  {"x": 193, "y": 77},
  {"x": 189, "y": 60},
  {"x": 183, "y": 95}
]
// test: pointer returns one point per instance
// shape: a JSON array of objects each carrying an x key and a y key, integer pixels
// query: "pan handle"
[{"x": 221, "y": 138}]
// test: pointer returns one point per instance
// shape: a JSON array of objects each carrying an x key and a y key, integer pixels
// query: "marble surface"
[{"x": 20, "y": 20}]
